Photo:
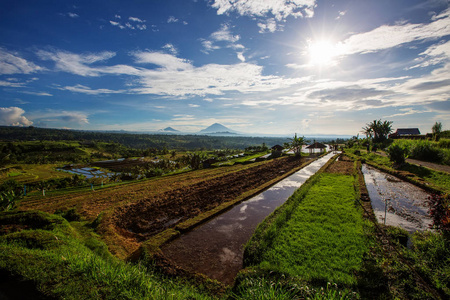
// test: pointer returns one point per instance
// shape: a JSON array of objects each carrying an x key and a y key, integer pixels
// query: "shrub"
[
  {"x": 424, "y": 150},
  {"x": 397, "y": 153}
]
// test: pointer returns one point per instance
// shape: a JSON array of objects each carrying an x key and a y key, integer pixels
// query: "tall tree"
[
  {"x": 437, "y": 130},
  {"x": 378, "y": 130},
  {"x": 296, "y": 145}
]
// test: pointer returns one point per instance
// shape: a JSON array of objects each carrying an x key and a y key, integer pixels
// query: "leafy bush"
[
  {"x": 424, "y": 150},
  {"x": 397, "y": 153}
]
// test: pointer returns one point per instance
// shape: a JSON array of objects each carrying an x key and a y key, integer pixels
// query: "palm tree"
[
  {"x": 296, "y": 145},
  {"x": 378, "y": 130}
]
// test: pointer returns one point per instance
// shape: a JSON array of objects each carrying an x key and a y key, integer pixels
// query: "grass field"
[
  {"x": 26, "y": 173},
  {"x": 320, "y": 239}
]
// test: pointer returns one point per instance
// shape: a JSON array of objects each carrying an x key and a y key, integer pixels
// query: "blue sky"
[{"x": 261, "y": 66}]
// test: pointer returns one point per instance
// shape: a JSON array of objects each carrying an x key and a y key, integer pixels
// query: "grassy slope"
[{"x": 66, "y": 260}]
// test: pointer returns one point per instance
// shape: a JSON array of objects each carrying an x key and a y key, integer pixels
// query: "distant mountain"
[
  {"x": 217, "y": 129},
  {"x": 168, "y": 129}
]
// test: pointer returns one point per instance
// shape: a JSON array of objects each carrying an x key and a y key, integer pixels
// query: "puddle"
[
  {"x": 216, "y": 247},
  {"x": 396, "y": 202}
]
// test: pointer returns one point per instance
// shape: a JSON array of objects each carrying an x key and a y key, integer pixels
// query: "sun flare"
[{"x": 322, "y": 53}]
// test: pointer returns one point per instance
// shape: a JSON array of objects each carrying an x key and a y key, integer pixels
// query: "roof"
[
  {"x": 316, "y": 145},
  {"x": 407, "y": 131}
]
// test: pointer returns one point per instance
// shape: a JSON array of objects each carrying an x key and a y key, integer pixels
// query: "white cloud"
[
  {"x": 270, "y": 25},
  {"x": 171, "y": 48},
  {"x": 79, "y": 64},
  {"x": 141, "y": 26},
  {"x": 212, "y": 79},
  {"x": 117, "y": 17},
  {"x": 13, "y": 116},
  {"x": 435, "y": 54},
  {"x": 136, "y": 20},
  {"x": 117, "y": 24},
  {"x": 72, "y": 15},
  {"x": 37, "y": 93},
  {"x": 12, "y": 63},
  {"x": 388, "y": 36},
  {"x": 209, "y": 46},
  {"x": 341, "y": 14},
  {"x": 11, "y": 84},
  {"x": 166, "y": 61},
  {"x": 280, "y": 9},
  {"x": 58, "y": 117},
  {"x": 87, "y": 90},
  {"x": 129, "y": 26},
  {"x": 240, "y": 56},
  {"x": 224, "y": 34},
  {"x": 193, "y": 105},
  {"x": 172, "y": 19}
]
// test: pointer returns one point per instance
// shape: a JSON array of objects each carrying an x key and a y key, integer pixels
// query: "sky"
[{"x": 256, "y": 66}]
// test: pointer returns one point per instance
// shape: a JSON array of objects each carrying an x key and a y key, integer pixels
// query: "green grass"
[
  {"x": 67, "y": 260},
  {"x": 318, "y": 238}
]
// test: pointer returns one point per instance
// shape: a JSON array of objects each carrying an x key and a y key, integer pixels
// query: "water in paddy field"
[
  {"x": 396, "y": 202},
  {"x": 216, "y": 247}
]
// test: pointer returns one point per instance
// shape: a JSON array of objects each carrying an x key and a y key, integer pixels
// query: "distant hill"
[
  {"x": 217, "y": 129},
  {"x": 168, "y": 129}
]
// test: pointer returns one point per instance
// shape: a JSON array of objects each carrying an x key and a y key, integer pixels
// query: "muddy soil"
[{"x": 147, "y": 217}]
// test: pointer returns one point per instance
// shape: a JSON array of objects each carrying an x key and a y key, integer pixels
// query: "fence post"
[{"x": 24, "y": 189}]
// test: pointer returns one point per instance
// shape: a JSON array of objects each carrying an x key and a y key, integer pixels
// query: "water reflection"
[
  {"x": 395, "y": 202},
  {"x": 216, "y": 247}
]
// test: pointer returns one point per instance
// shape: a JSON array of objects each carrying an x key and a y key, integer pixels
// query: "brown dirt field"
[
  {"x": 343, "y": 165},
  {"x": 149, "y": 216},
  {"x": 133, "y": 212}
]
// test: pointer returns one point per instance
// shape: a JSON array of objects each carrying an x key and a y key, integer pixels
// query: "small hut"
[{"x": 316, "y": 145}]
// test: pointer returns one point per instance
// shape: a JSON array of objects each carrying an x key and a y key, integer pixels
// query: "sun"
[{"x": 322, "y": 53}]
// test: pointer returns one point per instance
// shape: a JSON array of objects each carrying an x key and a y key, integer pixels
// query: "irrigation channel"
[
  {"x": 216, "y": 247},
  {"x": 396, "y": 202}
]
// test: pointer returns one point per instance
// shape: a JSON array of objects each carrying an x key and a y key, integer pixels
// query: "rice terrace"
[
  {"x": 177, "y": 223},
  {"x": 225, "y": 149}
]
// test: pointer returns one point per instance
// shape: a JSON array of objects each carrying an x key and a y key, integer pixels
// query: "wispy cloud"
[
  {"x": 133, "y": 24},
  {"x": 79, "y": 64},
  {"x": 269, "y": 25},
  {"x": 434, "y": 55},
  {"x": 37, "y": 93},
  {"x": 60, "y": 116},
  {"x": 221, "y": 38},
  {"x": 13, "y": 116},
  {"x": 172, "y": 19},
  {"x": 171, "y": 48},
  {"x": 389, "y": 36},
  {"x": 87, "y": 90},
  {"x": 134, "y": 19},
  {"x": 12, "y": 63},
  {"x": 117, "y": 24}
]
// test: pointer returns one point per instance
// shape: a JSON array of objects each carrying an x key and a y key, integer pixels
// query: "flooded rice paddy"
[
  {"x": 216, "y": 247},
  {"x": 396, "y": 202}
]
